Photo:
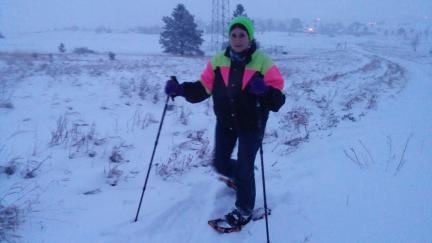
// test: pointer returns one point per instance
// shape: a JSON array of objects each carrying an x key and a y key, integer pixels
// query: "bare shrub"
[
  {"x": 362, "y": 156},
  {"x": 117, "y": 153},
  {"x": 60, "y": 134},
  {"x": 415, "y": 42},
  {"x": 325, "y": 101},
  {"x": 10, "y": 169},
  {"x": 99, "y": 141},
  {"x": 394, "y": 74},
  {"x": 391, "y": 154},
  {"x": 334, "y": 77},
  {"x": 62, "y": 48},
  {"x": 148, "y": 119},
  {"x": 127, "y": 87},
  {"x": 140, "y": 122},
  {"x": 5, "y": 96},
  {"x": 198, "y": 143},
  {"x": 372, "y": 101},
  {"x": 114, "y": 175},
  {"x": 79, "y": 137},
  {"x": 10, "y": 219},
  {"x": 354, "y": 157},
  {"x": 144, "y": 89},
  {"x": 373, "y": 65},
  {"x": 184, "y": 116},
  {"x": 15, "y": 206},
  {"x": 402, "y": 158},
  {"x": 75, "y": 135},
  {"x": 111, "y": 56},
  {"x": 329, "y": 119},
  {"x": 271, "y": 135},
  {"x": 116, "y": 158},
  {"x": 177, "y": 164},
  {"x": 156, "y": 95},
  {"x": 33, "y": 166},
  {"x": 294, "y": 142},
  {"x": 349, "y": 116},
  {"x": 351, "y": 100},
  {"x": 298, "y": 117},
  {"x": 294, "y": 130},
  {"x": 6, "y": 104},
  {"x": 11, "y": 166},
  {"x": 194, "y": 152},
  {"x": 93, "y": 192},
  {"x": 83, "y": 51},
  {"x": 80, "y": 141}
]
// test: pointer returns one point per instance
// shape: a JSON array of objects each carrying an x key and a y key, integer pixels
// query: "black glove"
[{"x": 173, "y": 88}]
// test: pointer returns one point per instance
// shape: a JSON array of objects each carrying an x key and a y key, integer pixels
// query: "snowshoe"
[{"x": 234, "y": 221}]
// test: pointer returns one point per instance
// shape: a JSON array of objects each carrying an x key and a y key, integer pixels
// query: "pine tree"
[
  {"x": 296, "y": 25},
  {"x": 180, "y": 34},
  {"x": 239, "y": 11},
  {"x": 415, "y": 42},
  {"x": 62, "y": 48}
]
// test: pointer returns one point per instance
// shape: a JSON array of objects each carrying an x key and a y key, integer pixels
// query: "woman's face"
[{"x": 239, "y": 40}]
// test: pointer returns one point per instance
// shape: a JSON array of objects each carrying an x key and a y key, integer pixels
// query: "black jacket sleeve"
[
  {"x": 274, "y": 99},
  {"x": 194, "y": 92}
]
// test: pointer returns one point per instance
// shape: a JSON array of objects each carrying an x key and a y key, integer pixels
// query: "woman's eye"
[{"x": 239, "y": 35}]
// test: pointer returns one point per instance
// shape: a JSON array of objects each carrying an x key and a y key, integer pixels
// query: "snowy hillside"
[{"x": 348, "y": 157}]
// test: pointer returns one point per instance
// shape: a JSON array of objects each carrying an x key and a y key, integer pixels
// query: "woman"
[{"x": 245, "y": 86}]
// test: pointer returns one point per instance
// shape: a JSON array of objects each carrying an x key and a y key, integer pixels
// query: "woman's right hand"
[{"x": 173, "y": 88}]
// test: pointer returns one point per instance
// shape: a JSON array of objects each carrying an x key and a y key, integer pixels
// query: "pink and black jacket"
[{"x": 228, "y": 81}]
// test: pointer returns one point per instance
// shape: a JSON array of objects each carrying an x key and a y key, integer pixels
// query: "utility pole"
[{"x": 220, "y": 19}]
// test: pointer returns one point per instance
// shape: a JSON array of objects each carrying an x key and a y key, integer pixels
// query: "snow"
[{"x": 356, "y": 169}]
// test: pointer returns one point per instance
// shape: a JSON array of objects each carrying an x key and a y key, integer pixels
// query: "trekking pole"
[
  {"x": 154, "y": 150},
  {"x": 262, "y": 171},
  {"x": 264, "y": 191}
]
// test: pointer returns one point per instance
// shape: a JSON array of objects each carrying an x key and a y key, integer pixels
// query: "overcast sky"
[{"x": 22, "y": 15}]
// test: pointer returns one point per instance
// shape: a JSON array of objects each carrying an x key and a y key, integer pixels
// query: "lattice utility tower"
[{"x": 220, "y": 19}]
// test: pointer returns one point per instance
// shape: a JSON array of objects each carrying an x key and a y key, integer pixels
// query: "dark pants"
[{"x": 242, "y": 169}]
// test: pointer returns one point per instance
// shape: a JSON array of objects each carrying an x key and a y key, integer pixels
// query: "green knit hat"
[{"x": 246, "y": 22}]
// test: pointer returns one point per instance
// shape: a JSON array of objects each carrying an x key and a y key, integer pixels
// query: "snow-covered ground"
[{"x": 348, "y": 158}]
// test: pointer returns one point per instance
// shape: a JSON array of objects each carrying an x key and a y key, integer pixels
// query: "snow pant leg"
[
  {"x": 249, "y": 143},
  {"x": 224, "y": 146}
]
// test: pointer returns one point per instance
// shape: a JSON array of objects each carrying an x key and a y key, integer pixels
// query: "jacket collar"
[{"x": 243, "y": 57}]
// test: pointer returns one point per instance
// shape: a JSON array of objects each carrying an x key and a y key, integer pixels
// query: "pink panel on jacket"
[
  {"x": 207, "y": 77},
  {"x": 274, "y": 78},
  {"x": 248, "y": 73},
  {"x": 225, "y": 74}
]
